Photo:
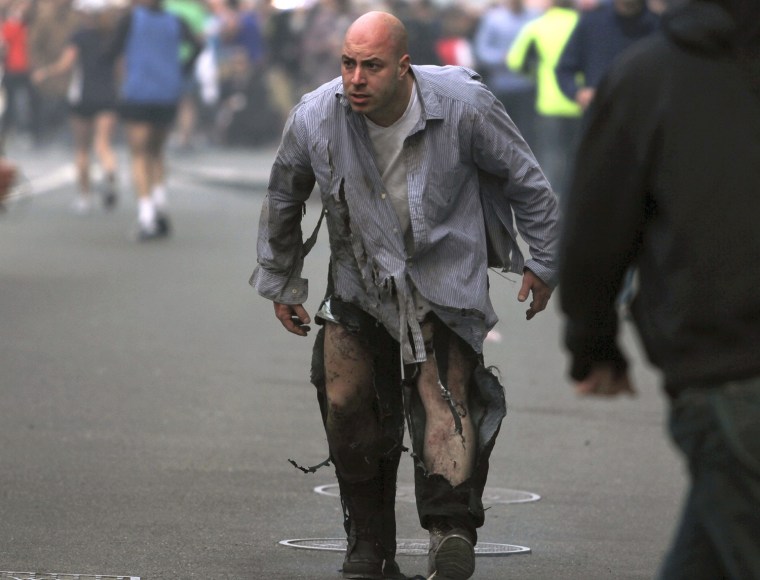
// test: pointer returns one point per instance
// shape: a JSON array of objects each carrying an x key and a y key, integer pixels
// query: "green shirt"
[{"x": 193, "y": 13}]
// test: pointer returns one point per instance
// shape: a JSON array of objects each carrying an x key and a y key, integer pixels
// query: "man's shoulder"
[
  {"x": 322, "y": 101},
  {"x": 457, "y": 83},
  {"x": 324, "y": 92}
]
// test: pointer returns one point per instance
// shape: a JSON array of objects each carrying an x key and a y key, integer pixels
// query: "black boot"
[{"x": 364, "y": 554}]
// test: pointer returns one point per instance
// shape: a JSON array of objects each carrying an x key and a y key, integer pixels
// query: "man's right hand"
[
  {"x": 293, "y": 317},
  {"x": 605, "y": 381}
]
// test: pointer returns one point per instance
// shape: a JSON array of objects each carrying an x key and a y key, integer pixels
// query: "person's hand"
[
  {"x": 293, "y": 317},
  {"x": 584, "y": 97},
  {"x": 39, "y": 75},
  {"x": 541, "y": 293},
  {"x": 605, "y": 381}
]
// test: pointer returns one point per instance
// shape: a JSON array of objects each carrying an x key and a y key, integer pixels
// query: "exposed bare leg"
[
  {"x": 447, "y": 452},
  {"x": 105, "y": 124},
  {"x": 82, "y": 131},
  {"x": 138, "y": 135}
]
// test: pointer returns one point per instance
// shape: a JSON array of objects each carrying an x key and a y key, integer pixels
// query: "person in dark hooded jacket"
[{"x": 667, "y": 179}]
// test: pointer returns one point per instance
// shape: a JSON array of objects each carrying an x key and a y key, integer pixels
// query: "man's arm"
[
  {"x": 604, "y": 217},
  {"x": 280, "y": 251},
  {"x": 524, "y": 191}
]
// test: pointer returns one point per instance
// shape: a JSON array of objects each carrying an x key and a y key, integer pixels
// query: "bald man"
[{"x": 421, "y": 175}]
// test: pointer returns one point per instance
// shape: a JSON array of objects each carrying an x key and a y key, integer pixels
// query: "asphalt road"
[{"x": 149, "y": 403}]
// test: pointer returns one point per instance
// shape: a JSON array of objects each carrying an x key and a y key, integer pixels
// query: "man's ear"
[{"x": 404, "y": 65}]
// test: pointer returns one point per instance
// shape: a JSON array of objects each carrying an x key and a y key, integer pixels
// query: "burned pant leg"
[
  {"x": 367, "y": 472},
  {"x": 459, "y": 505}
]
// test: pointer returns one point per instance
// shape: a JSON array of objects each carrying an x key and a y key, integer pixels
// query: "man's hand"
[
  {"x": 605, "y": 381},
  {"x": 541, "y": 293},
  {"x": 293, "y": 317}
]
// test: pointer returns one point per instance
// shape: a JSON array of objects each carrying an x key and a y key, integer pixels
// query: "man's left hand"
[{"x": 540, "y": 290}]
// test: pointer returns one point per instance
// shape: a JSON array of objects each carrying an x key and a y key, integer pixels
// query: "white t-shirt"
[{"x": 387, "y": 144}]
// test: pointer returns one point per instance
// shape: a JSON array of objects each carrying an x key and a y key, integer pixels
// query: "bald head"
[{"x": 379, "y": 28}]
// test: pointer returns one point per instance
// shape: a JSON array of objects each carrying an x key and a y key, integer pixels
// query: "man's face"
[{"x": 372, "y": 77}]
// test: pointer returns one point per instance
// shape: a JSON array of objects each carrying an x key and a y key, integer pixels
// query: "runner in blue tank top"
[{"x": 149, "y": 39}]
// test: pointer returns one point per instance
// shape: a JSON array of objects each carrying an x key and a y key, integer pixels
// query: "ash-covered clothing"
[
  {"x": 463, "y": 148},
  {"x": 667, "y": 179},
  {"x": 93, "y": 82}
]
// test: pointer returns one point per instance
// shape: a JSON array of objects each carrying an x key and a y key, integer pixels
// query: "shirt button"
[
  {"x": 294, "y": 291},
  {"x": 382, "y": 195}
]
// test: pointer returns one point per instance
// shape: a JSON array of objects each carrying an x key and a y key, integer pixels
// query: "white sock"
[
  {"x": 159, "y": 196},
  {"x": 146, "y": 212}
]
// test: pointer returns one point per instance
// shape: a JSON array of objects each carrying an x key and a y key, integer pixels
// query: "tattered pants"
[{"x": 461, "y": 505}]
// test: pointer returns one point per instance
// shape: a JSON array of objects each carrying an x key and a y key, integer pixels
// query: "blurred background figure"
[
  {"x": 195, "y": 14},
  {"x": 497, "y": 29},
  {"x": 536, "y": 51},
  {"x": 148, "y": 39},
  {"x": 282, "y": 31},
  {"x": 424, "y": 29},
  {"x": 21, "y": 102},
  {"x": 326, "y": 24},
  {"x": 601, "y": 34},
  {"x": 599, "y": 37},
  {"x": 92, "y": 99},
  {"x": 454, "y": 47}
]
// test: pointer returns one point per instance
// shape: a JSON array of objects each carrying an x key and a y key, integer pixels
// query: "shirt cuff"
[
  {"x": 548, "y": 275},
  {"x": 278, "y": 288}
]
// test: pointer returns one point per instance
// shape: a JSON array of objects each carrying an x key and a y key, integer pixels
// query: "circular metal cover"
[
  {"x": 491, "y": 495},
  {"x": 403, "y": 547},
  {"x": 4, "y": 575}
]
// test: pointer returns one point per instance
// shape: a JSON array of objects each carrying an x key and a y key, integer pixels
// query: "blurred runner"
[
  {"x": 92, "y": 100},
  {"x": 16, "y": 81},
  {"x": 149, "y": 40}
]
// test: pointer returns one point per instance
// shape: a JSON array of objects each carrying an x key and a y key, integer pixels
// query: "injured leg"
[{"x": 450, "y": 443}]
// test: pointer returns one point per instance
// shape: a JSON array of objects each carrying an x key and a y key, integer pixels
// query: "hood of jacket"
[
  {"x": 720, "y": 27},
  {"x": 714, "y": 25}
]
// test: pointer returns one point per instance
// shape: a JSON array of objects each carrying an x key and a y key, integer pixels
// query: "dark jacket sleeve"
[
  {"x": 196, "y": 47},
  {"x": 604, "y": 216},
  {"x": 571, "y": 62}
]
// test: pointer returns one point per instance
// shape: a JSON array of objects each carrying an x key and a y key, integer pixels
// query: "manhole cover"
[
  {"x": 57, "y": 576},
  {"x": 491, "y": 495},
  {"x": 403, "y": 547}
]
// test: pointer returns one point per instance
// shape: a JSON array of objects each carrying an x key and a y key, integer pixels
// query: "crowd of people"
[{"x": 261, "y": 55}]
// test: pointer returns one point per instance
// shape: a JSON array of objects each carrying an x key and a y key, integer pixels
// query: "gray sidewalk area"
[{"x": 150, "y": 404}]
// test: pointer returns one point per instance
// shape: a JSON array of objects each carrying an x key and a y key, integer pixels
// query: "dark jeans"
[
  {"x": 718, "y": 431},
  {"x": 556, "y": 143}
]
